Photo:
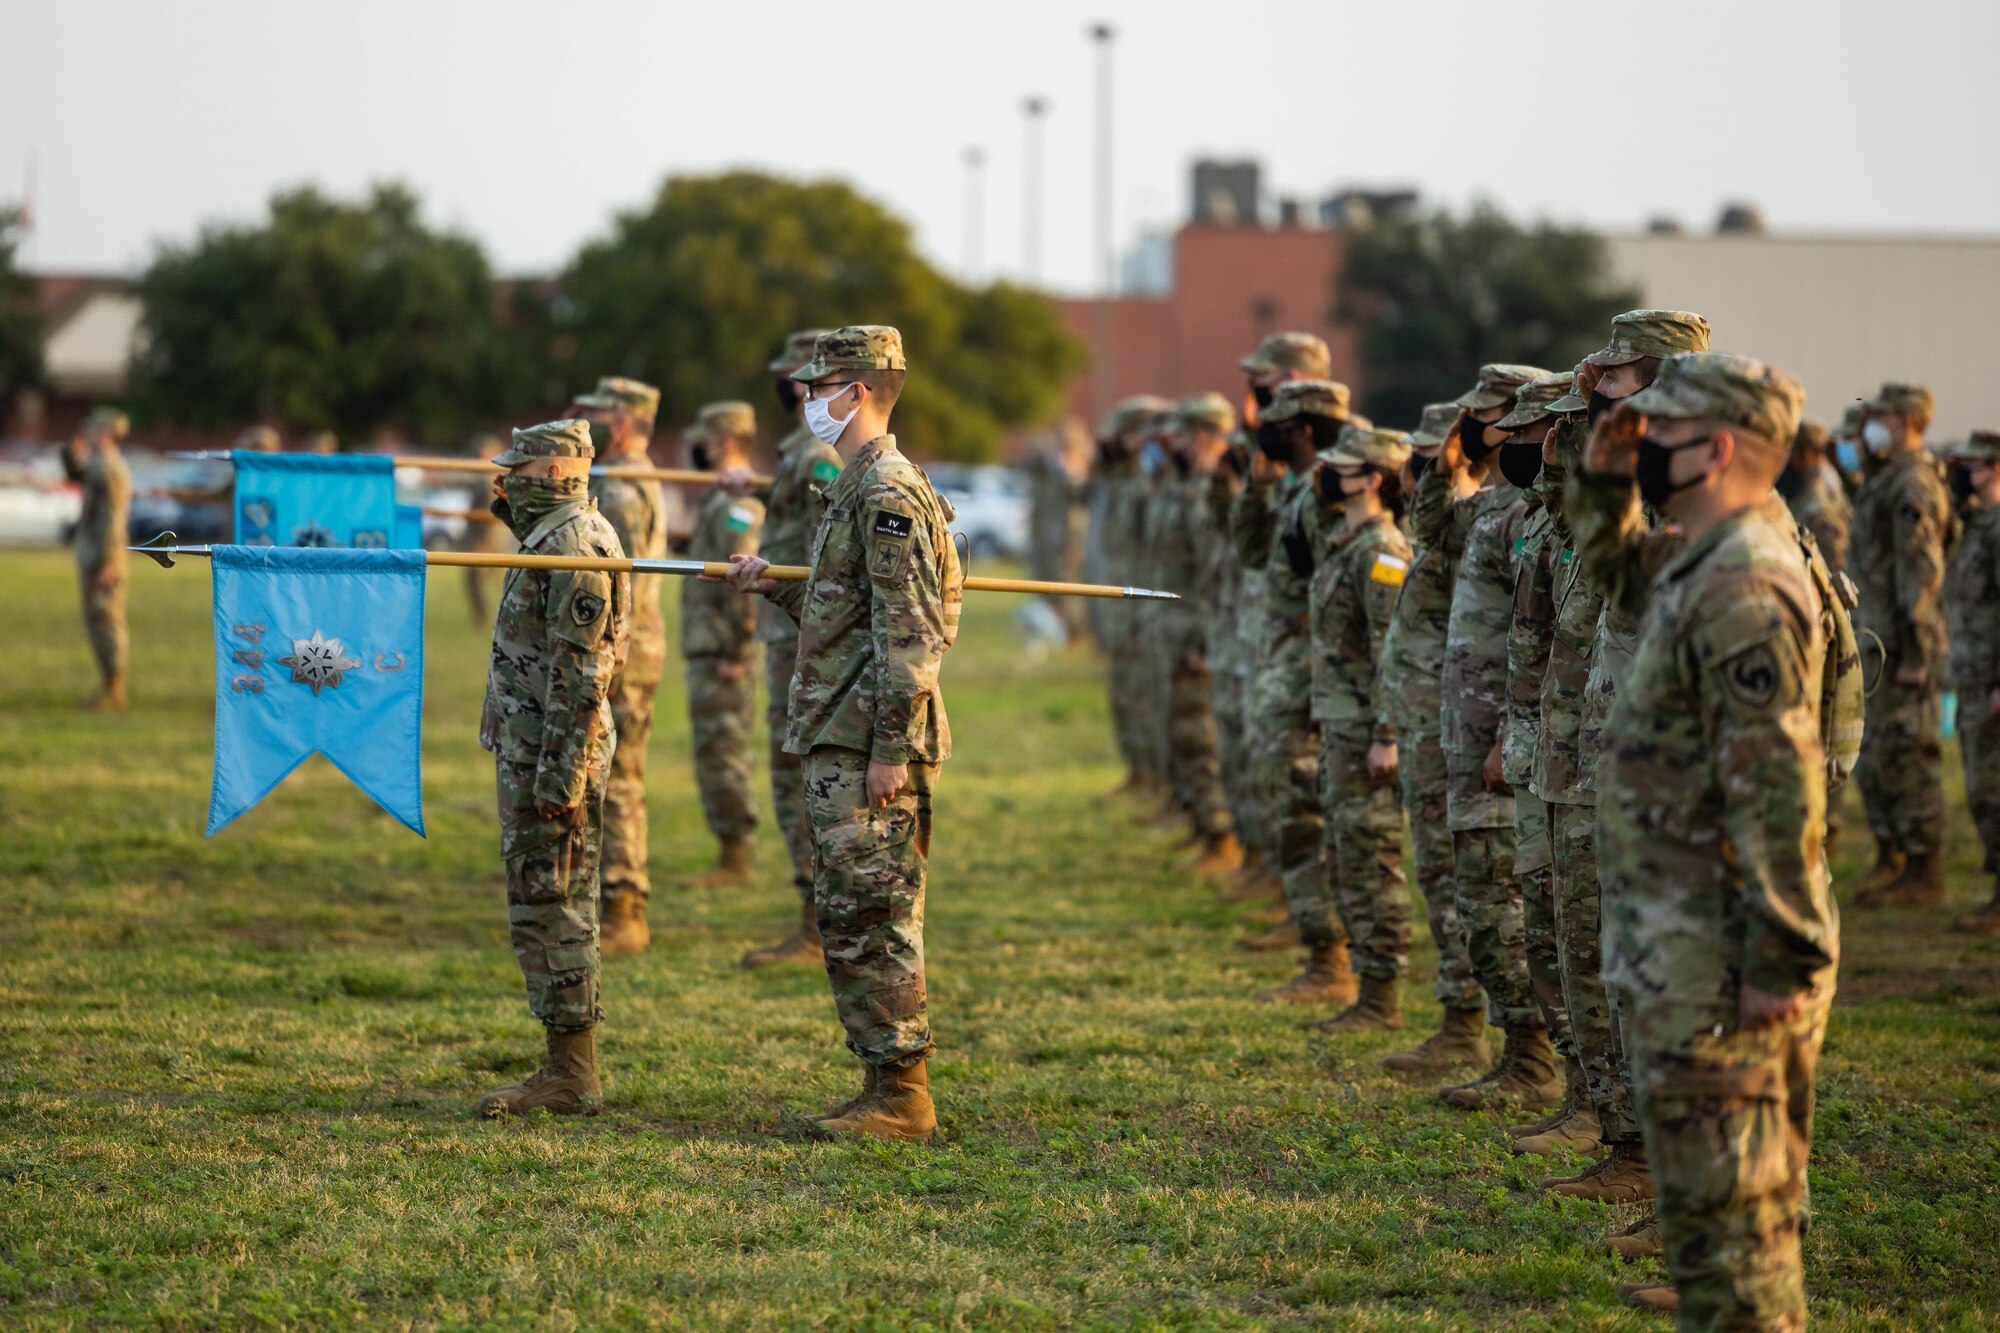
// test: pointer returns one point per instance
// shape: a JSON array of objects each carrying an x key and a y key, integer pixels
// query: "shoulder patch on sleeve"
[
  {"x": 1389, "y": 569},
  {"x": 825, "y": 470},
  {"x": 888, "y": 523},
  {"x": 741, "y": 518},
  {"x": 1753, "y": 676},
  {"x": 1737, "y": 627},
  {"x": 582, "y": 613}
]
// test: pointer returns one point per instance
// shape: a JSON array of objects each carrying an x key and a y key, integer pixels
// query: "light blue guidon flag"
[
  {"x": 318, "y": 650},
  {"x": 315, "y": 499}
]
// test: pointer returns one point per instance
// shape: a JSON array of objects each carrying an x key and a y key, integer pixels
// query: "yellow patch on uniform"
[{"x": 1389, "y": 569}]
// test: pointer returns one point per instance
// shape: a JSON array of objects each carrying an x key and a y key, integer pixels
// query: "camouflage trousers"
[
  {"x": 1728, "y": 1123},
  {"x": 1538, "y": 919},
  {"x": 626, "y": 842},
  {"x": 788, "y": 771},
  {"x": 1599, "y": 1046},
  {"x": 1239, "y": 786},
  {"x": 1489, "y": 905},
  {"x": 868, "y": 879},
  {"x": 1979, "y": 748},
  {"x": 552, "y": 886},
  {"x": 1421, "y": 769},
  {"x": 1288, "y": 760},
  {"x": 1364, "y": 854},
  {"x": 1194, "y": 766},
  {"x": 1127, "y": 722},
  {"x": 104, "y": 622},
  {"x": 723, "y": 713},
  {"x": 1901, "y": 767}
]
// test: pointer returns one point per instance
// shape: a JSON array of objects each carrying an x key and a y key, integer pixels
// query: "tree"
[
  {"x": 20, "y": 315},
  {"x": 1436, "y": 297},
  {"x": 334, "y": 316},
  {"x": 695, "y": 293}
]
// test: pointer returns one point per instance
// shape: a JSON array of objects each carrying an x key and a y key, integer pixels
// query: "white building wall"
[{"x": 1841, "y": 314}]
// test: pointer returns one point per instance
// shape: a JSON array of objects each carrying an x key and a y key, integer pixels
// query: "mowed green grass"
[{"x": 236, "y": 1074}]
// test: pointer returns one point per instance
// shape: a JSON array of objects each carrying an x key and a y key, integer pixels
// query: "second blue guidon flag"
[
  {"x": 318, "y": 650},
  {"x": 315, "y": 499}
]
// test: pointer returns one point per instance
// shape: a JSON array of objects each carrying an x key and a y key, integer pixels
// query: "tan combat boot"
[
  {"x": 1283, "y": 936},
  {"x": 732, "y": 866},
  {"x": 111, "y": 698},
  {"x": 1623, "y": 1177},
  {"x": 1640, "y": 1240},
  {"x": 623, "y": 928},
  {"x": 1659, "y": 1297},
  {"x": 801, "y": 946},
  {"x": 1575, "y": 1094},
  {"x": 1218, "y": 854},
  {"x": 899, "y": 1108},
  {"x": 1577, "y": 1132},
  {"x": 1525, "y": 1076},
  {"x": 1983, "y": 920},
  {"x": 566, "y": 1084},
  {"x": 1920, "y": 885},
  {"x": 1249, "y": 882},
  {"x": 1273, "y": 915},
  {"x": 1380, "y": 1009},
  {"x": 1328, "y": 979},
  {"x": 1461, "y": 1040},
  {"x": 868, "y": 1083},
  {"x": 1888, "y": 867}
]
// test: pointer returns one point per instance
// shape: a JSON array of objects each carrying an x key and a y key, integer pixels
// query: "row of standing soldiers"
[{"x": 1570, "y": 630}]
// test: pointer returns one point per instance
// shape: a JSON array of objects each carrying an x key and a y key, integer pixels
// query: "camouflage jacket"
[
  {"x": 1188, "y": 556},
  {"x": 877, "y": 615},
  {"x": 638, "y": 514},
  {"x": 1223, "y": 582},
  {"x": 1354, "y": 585},
  {"x": 1122, "y": 555},
  {"x": 1562, "y": 761},
  {"x": 558, "y": 641},
  {"x": 793, "y": 506},
  {"x": 1530, "y": 640},
  {"x": 1413, "y": 648},
  {"x": 716, "y": 620},
  {"x": 1821, "y": 507},
  {"x": 107, "y": 503},
  {"x": 1052, "y": 508},
  {"x": 1473, "y": 706},
  {"x": 1902, "y": 520},
  {"x": 1972, "y": 596},
  {"x": 1274, "y": 530},
  {"x": 1713, "y": 787}
]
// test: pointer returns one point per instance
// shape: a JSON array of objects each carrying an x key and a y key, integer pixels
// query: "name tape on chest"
[
  {"x": 889, "y": 524},
  {"x": 1389, "y": 569}
]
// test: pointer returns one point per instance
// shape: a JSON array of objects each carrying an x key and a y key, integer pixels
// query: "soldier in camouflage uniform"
[
  {"x": 1972, "y": 597},
  {"x": 1275, "y": 523},
  {"x": 559, "y": 642},
  {"x": 1237, "y": 604},
  {"x": 94, "y": 461},
  {"x": 718, "y": 639},
  {"x": 1812, "y": 489},
  {"x": 1359, "y": 569},
  {"x": 1408, "y": 705},
  {"x": 621, "y": 414},
  {"x": 1721, "y": 933},
  {"x": 1188, "y": 550},
  {"x": 793, "y": 507},
  {"x": 1481, "y": 531},
  {"x": 1117, "y": 510},
  {"x": 1056, "y": 470},
  {"x": 1902, "y": 525},
  {"x": 875, "y": 619}
]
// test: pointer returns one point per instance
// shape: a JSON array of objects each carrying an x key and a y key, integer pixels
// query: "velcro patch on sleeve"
[
  {"x": 1389, "y": 569},
  {"x": 825, "y": 470},
  {"x": 888, "y": 524},
  {"x": 741, "y": 518}
]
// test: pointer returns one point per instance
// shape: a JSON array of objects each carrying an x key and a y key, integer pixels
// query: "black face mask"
[
  {"x": 1521, "y": 462},
  {"x": 698, "y": 455},
  {"x": 1420, "y": 464},
  {"x": 1961, "y": 483},
  {"x": 1235, "y": 462},
  {"x": 1263, "y": 393},
  {"x": 1110, "y": 453},
  {"x": 790, "y": 394},
  {"x": 1271, "y": 442},
  {"x": 1655, "y": 470},
  {"x": 1472, "y": 440},
  {"x": 1180, "y": 461},
  {"x": 1601, "y": 405}
]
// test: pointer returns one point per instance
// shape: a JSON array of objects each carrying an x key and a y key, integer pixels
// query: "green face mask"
[{"x": 529, "y": 500}]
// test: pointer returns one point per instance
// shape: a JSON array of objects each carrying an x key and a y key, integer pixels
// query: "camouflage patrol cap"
[
  {"x": 1537, "y": 399},
  {"x": 729, "y": 417},
  {"x": 798, "y": 350},
  {"x": 854, "y": 347},
  {"x": 552, "y": 439},
  {"x": 1982, "y": 446},
  {"x": 1735, "y": 389},
  {"x": 1637, "y": 334},
  {"x": 1364, "y": 446},
  {"x": 1498, "y": 383},
  {"x": 258, "y": 440},
  {"x": 1912, "y": 401},
  {"x": 1434, "y": 426},
  {"x": 1811, "y": 434},
  {"x": 1211, "y": 410},
  {"x": 109, "y": 420},
  {"x": 1314, "y": 398},
  {"x": 1576, "y": 400},
  {"x": 1131, "y": 414},
  {"x": 1290, "y": 351},
  {"x": 641, "y": 400}
]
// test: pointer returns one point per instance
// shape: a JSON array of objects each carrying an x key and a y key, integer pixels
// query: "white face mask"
[
  {"x": 1876, "y": 436},
  {"x": 821, "y": 421}
]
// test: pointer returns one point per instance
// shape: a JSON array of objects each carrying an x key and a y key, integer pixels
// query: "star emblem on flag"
[{"x": 318, "y": 661}]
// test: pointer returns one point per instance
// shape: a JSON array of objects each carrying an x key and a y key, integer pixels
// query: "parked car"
[
  {"x": 992, "y": 505},
  {"x": 170, "y": 495},
  {"x": 36, "y": 509}
]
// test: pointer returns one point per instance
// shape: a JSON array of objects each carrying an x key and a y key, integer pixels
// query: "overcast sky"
[{"x": 529, "y": 124}]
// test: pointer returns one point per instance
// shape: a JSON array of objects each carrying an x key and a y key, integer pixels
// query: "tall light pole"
[
  {"x": 1101, "y": 34},
  {"x": 975, "y": 211},
  {"x": 1031, "y": 191}
]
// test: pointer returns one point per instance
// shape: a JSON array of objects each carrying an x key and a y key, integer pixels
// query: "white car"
[
  {"x": 992, "y": 505},
  {"x": 38, "y": 506}
]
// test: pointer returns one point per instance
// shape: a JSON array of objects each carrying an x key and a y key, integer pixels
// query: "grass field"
[{"x": 236, "y": 1074}]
